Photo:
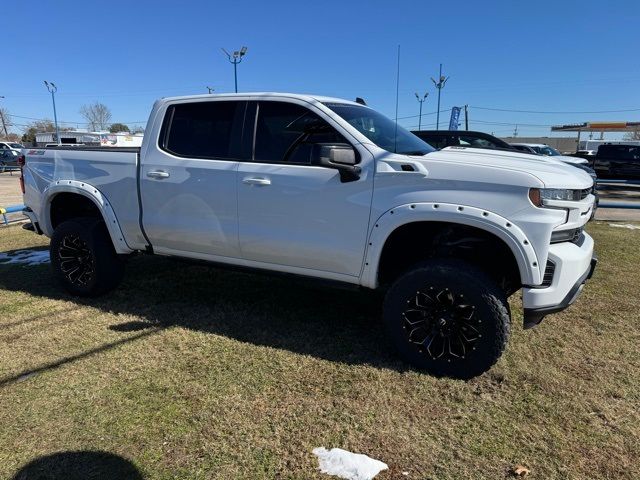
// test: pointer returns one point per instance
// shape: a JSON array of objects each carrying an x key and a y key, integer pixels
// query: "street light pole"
[
  {"x": 439, "y": 85},
  {"x": 421, "y": 100},
  {"x": 211, "y": 90},
  {"x": 53, "y": 89},
  {"x": 236, "y": 58}
]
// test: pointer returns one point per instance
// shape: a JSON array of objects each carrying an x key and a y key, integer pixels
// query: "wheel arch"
[
  {"x": 491, "y": 223},
  {"x": 61, "y": 192}
]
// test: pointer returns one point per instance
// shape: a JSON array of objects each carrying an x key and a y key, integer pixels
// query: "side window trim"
[{"x": 255, "y": 131}]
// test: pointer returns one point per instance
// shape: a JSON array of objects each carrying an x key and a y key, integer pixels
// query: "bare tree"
[
  {"x": 97, "y": 116},
  {"x": 5, "y": 122}
]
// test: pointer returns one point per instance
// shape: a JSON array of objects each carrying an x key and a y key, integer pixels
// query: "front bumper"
[{"x": 574, "y": 265}]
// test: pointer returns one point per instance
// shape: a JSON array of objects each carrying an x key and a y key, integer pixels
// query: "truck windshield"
[{"x": 381, "y": 130}]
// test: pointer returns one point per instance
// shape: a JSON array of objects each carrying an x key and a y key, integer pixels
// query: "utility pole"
[
  {"x": 4, "y": 125},
  {"x": 53, "y": 89},
  {"x": 439, "y": 85},
  {"x": 515, "y": 132},
  {"x": 211, "y": 90},
  {"x": 236, "y": 58},
  {"x": 395, "y": 134},
  {"x": 466, "y": 117},
  {"x": 421, "y": 101}
]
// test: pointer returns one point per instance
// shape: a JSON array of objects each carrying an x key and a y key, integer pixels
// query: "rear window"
[
  {"x": 435, "y": 140},
  {"x": 201, "y": 129},
  {"x": 619, "y": 152}
]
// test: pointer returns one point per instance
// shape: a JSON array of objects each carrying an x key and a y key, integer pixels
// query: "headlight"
[{"x": 539, "y": 195}]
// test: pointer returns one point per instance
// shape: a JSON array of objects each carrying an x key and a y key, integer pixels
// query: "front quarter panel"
[{"x": 507, "y": 231}]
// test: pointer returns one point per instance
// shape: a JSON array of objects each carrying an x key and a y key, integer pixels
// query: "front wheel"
[
  {"x": 447, "y": 317},
  {"x": 83, "y": 258}
]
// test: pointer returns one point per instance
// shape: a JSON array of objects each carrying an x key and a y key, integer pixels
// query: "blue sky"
[{"x": 546, "y": 56}]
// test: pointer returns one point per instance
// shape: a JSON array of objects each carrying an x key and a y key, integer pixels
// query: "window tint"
[
  {"x": 476, "y": 142},
  {"x": 286, "y": 132},
  {"x": 436, "y": 141},
  {"x": 201, "y": 130},
  {"x": 619, "y": 152}
]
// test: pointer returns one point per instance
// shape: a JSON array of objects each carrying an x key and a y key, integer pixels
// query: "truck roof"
[{"x": 257, "y": 95}]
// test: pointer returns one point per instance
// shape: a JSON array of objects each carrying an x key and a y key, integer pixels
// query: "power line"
[
  {"x": 554, "y": 112},
  {"x": 70, "y": 123}
]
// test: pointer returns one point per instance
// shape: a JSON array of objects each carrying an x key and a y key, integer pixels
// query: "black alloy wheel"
[
  {"x": 441, "y": 323},
  {"x": 76, "y": 260},
  {"x": 83, "y": 258},
  {"x": 447, "y": 317}
]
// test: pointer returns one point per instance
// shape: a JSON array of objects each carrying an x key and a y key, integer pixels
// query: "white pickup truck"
[{"x": 330, "y": 189}]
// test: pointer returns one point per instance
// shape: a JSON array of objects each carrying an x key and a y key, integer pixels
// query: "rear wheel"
[
  {"x": 448, "y": 318},
  {"x": 83, "y": 258}
]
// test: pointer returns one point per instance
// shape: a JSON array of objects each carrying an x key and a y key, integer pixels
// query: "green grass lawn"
[{"x": 192, "y": 372}]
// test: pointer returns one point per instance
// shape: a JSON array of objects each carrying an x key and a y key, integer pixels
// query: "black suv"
[
  {"x": 461, "y": 138},
  {"x": 618, "y": 161}
]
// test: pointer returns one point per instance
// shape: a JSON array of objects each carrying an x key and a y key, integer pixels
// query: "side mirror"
[{"x": 339, "y": 156}]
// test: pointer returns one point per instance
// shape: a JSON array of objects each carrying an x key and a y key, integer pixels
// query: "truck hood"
[
  {"x": 572, "y": 160},
  {"x": 552, "y": 173}
]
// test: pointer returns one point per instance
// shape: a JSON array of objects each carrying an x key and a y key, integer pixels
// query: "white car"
[
  {"x": 332, "y": 190},
  {"x": 11, "y": 146},
  {"x": 546, "y": 150}
]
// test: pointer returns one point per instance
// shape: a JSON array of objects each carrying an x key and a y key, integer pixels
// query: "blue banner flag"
[{"x": 455, "y": 115}]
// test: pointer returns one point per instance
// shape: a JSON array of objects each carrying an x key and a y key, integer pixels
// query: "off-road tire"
[
  {"x": 406, "y": 324},
  {"x": 85, "y": 242}
]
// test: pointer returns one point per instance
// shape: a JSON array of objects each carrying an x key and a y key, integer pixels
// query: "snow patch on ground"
[
  {"x": 625, "y": 225},
  {"x": 347, "y": 465},
  {"x": 25, "y": 257}
]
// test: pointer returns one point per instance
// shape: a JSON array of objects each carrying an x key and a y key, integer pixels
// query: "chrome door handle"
[
  {"x": 256, "y": 181},
  {"x": 158, "y": 174}
]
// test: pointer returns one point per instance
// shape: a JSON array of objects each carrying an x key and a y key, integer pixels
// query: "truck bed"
[{"x": 113, "y": 171}]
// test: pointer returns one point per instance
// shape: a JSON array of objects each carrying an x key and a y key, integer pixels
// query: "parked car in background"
[
  {"x": 546, "y": 150},
  {"x": 524, "y": 148},
  {"x": 8, "y": 158},
  {"x": 618, "y": 161},
  {"x": 11, "y": 146},
  {"x": 588, "y": 155},
  {"x": 440, "y": 139}
]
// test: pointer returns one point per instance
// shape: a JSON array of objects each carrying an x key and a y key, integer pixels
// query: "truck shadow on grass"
[
  {"x": 280, "y": 312},
  {"x": 79, "y": 465}
]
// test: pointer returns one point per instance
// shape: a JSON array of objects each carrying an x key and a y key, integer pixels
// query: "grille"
[
  {"x": 548, "y": 274},
  {"x": 584, "y": 193}
]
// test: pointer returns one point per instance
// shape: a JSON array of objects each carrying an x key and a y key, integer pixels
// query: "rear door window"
[{"x": 204, "y": 129}]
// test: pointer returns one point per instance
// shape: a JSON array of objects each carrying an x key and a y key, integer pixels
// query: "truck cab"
[{"x": 327, "y": 189}]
